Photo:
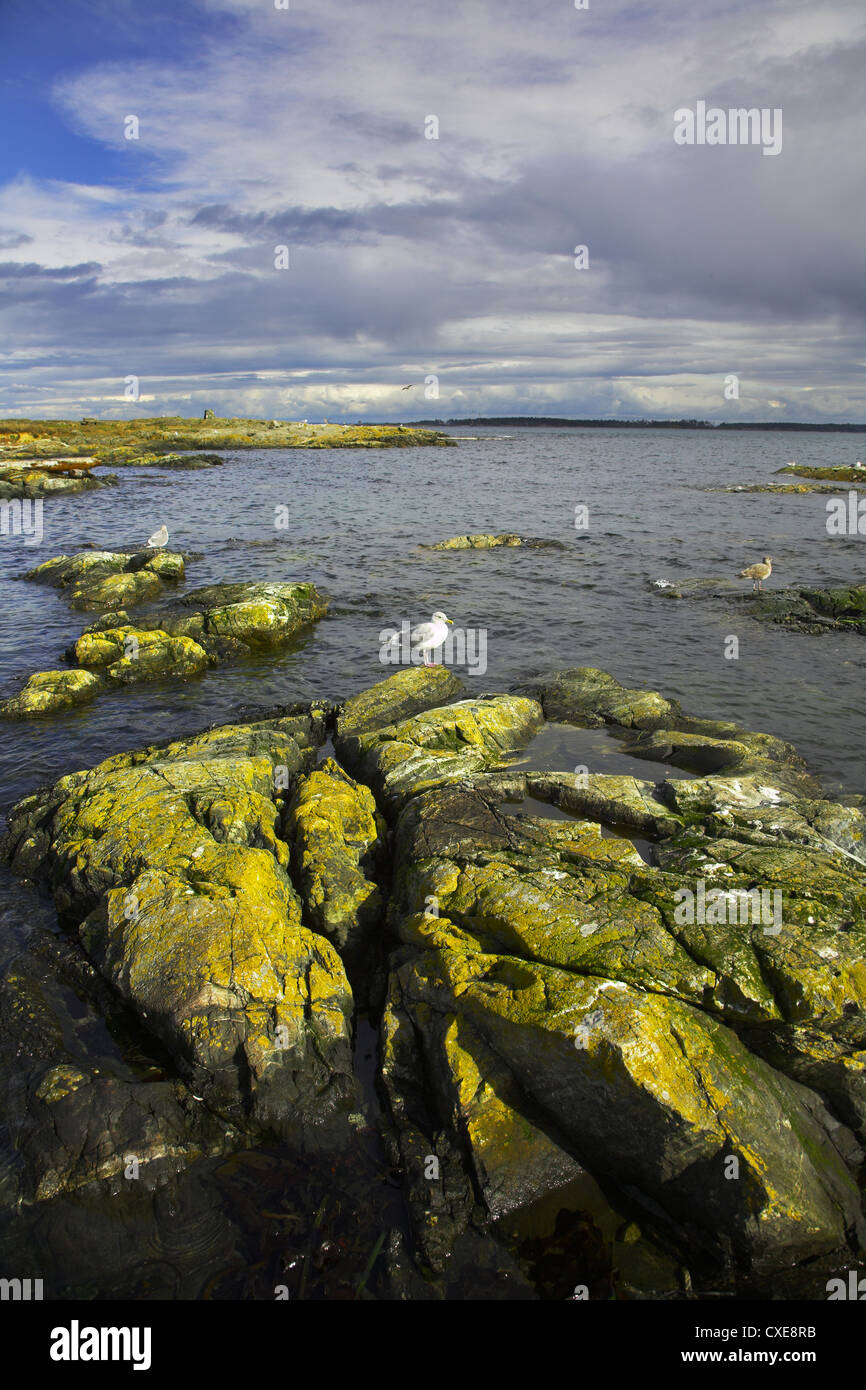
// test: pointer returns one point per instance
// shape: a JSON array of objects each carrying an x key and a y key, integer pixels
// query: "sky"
[{"x": 719, "y": 282}]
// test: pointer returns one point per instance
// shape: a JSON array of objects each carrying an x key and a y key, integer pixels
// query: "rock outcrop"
[{"x": 650, "y": 1003}]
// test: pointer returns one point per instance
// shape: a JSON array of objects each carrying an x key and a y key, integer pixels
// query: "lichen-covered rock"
[
  {"x": 591, "y": 698},
  {"x": 168, "y": 865},
  {"x": 407, "y": 692},
  {"x": 517, "y": 929},
  {"x": 110, "y": 579},
  {"x": 478, "y": 541},
  {"x": 440, "y": 745},
  {"x": 840, "y": 474},
  {"x": 604, "y": 1062},
  {"x": 335, "y": 832},
  {"x": 624, "y": 801},
  {"x": 259, "y": 615},
  {"x": 128, "y": 655},
  {"x": 172, "y": 642},
  {"x": 50, "y": 692},
  {"x": 36, "y": 482}
]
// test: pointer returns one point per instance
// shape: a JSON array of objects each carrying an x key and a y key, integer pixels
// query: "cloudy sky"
[{"x": 412, "y": 257}]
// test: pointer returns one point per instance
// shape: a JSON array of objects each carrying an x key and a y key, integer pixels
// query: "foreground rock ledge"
[{"x": 549, "y": 1015}]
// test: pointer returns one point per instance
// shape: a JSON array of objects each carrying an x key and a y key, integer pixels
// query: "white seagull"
[
  {"x": 159, "y": 538},
  {"x": 427, "y": 636}
]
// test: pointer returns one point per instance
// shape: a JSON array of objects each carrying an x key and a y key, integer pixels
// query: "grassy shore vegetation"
[{"x": 116, "y": 442}]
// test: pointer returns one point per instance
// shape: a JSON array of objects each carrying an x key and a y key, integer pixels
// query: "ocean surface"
[{"x": 357, "y": 524}]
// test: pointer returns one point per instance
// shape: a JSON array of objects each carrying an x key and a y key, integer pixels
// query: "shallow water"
[{"x": 357, "y": 521}]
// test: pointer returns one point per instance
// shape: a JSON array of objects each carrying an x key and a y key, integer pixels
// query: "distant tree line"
[{"x": 555, "y": 422}]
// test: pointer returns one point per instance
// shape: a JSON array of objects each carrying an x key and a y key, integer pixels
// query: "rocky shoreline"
[{"x": 551, "y": 1018}]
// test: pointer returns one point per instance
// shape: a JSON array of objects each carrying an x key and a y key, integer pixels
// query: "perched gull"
[
  {"x": 858, "y": 464},
  {"x": 159, "y": 538},
  {"x": 758, "y": 572},
  {"x": 427, "y": 636}
]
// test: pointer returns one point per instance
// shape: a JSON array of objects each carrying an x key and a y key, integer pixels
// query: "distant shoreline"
[{"x": 555, "y": 422}]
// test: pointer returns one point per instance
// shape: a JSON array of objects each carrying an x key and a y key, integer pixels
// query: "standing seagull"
[
  {"x": 758, "y": 573},
  {"x": 427, "y": 636},
  {"x": 159, "y": 538}
]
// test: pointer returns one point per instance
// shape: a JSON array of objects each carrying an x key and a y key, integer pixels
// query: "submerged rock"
[{"x": 486, "y": 541}]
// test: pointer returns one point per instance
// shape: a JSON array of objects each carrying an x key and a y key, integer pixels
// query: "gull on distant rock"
[
  {"x": 758, "y": 572},
  {"x": 159, "y": 538}
]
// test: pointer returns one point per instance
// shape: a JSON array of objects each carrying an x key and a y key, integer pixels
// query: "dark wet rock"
[
  {"x": 73, "y": 1118},
  {"x": 811, "y": 610},
  {"x": 803, "y": 610}
]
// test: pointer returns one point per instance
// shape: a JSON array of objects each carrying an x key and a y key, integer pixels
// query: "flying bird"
[
  {"x": 427, "y": 636},
  {"x": 758, "y": 572},
  {"x": 159, "y": 538},
  {"x": 409, "y": 387}
]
